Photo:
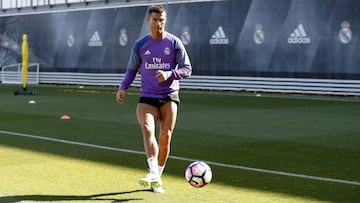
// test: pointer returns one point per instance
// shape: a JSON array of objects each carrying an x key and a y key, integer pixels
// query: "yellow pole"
[{"x": 25, "y": 60}]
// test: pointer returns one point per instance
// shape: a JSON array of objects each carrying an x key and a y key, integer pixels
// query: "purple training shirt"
[{"x": 148, "y": 56}]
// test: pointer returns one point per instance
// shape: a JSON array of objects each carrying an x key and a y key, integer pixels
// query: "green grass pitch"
[{"x": 268, "y": 148}]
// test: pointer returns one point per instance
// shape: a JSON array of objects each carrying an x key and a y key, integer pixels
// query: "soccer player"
[{"x": 162, "y": 61}]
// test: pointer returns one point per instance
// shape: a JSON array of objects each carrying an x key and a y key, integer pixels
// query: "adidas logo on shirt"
[
  {"x": 299, "y": 36},
  {"x": 147, "y": 53},
  {"x": 219, "y": 37},
  {"x": 95, "y": 40}
]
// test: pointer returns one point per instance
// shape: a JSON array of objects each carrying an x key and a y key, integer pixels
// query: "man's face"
[{"x": 157, "y": 22}]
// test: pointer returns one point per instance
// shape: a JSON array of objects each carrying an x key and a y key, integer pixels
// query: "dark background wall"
[{"x": 277, "y": 38}]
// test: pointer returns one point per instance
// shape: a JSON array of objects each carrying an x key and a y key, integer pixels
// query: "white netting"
[{"x": 12, "y": 74}]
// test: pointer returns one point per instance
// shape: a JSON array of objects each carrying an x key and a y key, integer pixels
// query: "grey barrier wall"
[{"x": 257, "y": 38}]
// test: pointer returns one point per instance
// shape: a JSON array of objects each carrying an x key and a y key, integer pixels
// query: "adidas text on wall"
[
  {"x": 219, "y": 37},
  {"x": 95, "y": 40},
  {"x": 299, "y": 36}
]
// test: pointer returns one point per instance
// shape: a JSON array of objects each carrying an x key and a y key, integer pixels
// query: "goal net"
[{"x": 12, "y": 74}]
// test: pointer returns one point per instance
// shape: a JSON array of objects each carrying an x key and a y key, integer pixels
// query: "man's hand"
[
  {"x": 120, "y": 96},
  {"x": 162, "y": 75}
]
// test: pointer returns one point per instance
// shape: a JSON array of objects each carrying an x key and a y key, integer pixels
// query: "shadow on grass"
[
  {"x": 99, "y": 197},
  {"x": 96, "y": 121}
]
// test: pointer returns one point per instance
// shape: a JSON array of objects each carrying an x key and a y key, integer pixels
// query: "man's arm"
[{"x": 184, "y": 68}]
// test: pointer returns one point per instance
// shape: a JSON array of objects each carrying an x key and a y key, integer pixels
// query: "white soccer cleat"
[
  {"x": 151, "y": 179},
  {"x": 157, "y": 189}
]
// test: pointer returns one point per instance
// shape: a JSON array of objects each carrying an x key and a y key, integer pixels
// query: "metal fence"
[
  {"x": 241, "y": 84},
  {"x": 25, "y": 7},
  {"x": 10, "y": 4}
]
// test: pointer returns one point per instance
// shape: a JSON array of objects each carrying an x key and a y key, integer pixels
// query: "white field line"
[{"x": 185, "y": 159}]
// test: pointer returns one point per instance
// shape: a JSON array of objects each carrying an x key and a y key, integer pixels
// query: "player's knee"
[
  {"x": 147, "y": 129},
  {"x": 165, "y": 137}
]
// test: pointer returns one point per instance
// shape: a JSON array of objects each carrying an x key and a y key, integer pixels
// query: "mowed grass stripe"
[{"x": 184, "y": 159}]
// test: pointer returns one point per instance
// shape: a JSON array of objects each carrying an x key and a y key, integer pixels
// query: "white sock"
[
  {"x": 153, "y": 165},
  {"x": 161, "y": 169}
]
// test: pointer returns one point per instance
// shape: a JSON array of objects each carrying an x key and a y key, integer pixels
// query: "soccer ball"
[{"x": 198, "y": 174}]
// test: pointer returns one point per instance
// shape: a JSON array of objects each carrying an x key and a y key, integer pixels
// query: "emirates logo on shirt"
[{"x": 157, "y": 64}]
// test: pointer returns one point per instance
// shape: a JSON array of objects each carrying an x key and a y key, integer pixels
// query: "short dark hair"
[{"x": 157, "y": 9}]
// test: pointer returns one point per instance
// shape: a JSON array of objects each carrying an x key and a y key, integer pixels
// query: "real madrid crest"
[
  {"x": 185, "y": 35},
  {"x": 70, "y": 39},
  {"x": 167, "y": 51},
  {"x": 345, "y": 34},
  {"x": 123, "y": 39},
  {"x": 259, "y": 35}
]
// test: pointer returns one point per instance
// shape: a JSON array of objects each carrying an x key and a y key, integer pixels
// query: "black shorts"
[{"x": 157, "y": 102}]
